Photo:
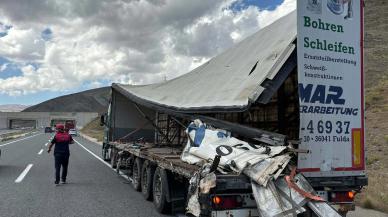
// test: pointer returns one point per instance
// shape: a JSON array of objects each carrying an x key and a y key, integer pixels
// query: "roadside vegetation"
[{"x": 93, "y": 129}]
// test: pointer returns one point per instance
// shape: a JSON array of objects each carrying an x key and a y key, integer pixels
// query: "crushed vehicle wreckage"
[{"x": 277, "y": 189}]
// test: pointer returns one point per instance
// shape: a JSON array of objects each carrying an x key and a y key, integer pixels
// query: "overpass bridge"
[{"x": 16, "y": 120}]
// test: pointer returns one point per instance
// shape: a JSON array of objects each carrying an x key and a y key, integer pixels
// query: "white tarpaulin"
[
  {"x": 257, "y": 162},
  {"x": 263, "y": 164},
  {"x": 231, "y": 80}
]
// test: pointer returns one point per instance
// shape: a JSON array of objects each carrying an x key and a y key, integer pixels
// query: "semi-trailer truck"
[{"x": 253, "y": 91}]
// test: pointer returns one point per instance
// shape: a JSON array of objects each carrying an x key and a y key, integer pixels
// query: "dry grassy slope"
[
  {"x": 93, "y": 129},
  {"x": 376, "y": 86}
]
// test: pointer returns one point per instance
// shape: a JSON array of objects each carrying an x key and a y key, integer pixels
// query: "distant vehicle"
[
  {"x": 48, "y": 130},
  {"x": 69, "y": 124},
  {"x": 73, "y": 132}
]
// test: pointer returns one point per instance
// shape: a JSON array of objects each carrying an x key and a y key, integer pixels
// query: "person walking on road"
[{"x": 61, "y": 140}]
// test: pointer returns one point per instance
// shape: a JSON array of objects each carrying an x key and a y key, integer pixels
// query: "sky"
[{"x": 50, "y": 48}]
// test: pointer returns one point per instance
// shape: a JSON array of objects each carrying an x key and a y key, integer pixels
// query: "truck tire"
[
  {"x": 113, "y": 158},
  {"x": 104, "y": 152},
  {"x": 136, "y": 174},
  {"x": 159, "y": 189},
  {"x": 147, "y": 175},
  {"x": 118, "y": 164}
]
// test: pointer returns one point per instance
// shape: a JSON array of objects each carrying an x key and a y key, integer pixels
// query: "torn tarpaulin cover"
[
  {"x": 263, "y": 164},
  {"x": 260, "y": 163}
]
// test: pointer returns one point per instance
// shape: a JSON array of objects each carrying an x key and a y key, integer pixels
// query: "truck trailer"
[{"x": 251, "y": 91}]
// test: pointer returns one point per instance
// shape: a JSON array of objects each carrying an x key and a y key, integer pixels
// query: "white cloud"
[
  {"x": 22, "y": 45},
  {"x": 127, "y": 41},
  {"x": 3, "y": 67}
]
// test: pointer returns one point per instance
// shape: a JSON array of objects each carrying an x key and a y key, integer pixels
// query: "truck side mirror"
[{"x": 102, "y": 120}]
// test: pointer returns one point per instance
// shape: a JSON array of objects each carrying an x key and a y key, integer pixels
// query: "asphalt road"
[{"x": 93, "y": 188}]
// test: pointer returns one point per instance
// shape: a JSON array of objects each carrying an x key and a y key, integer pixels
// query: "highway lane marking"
[
  {"x": 20, "y": 140},
  {"x": 46, "y": 144},
  {"x": 40, "y": 152},
  {"x": 24, "y": 173},
  {"x": 107, "y": 164}
]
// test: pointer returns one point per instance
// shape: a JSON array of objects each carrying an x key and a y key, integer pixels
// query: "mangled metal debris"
[
  {"x": 288, "y": 197},
  {"x": 276, "y": 194}
]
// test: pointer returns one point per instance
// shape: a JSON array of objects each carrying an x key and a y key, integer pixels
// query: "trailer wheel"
[
  {"x": 118, "y": 164},
  {"x": 147, "y": 173},
  {"x": 160, "y": 188},
  {"x": 113, "y": 158},
  {"x": 104, "y": 152},
  {"x": 136, "y": 174}
]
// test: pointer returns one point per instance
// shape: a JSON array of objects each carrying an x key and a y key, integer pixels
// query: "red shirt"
[{"x": 62, "y": 141}]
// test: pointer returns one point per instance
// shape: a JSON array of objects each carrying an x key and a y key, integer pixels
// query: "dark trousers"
[{"x": 61, "y": 160}]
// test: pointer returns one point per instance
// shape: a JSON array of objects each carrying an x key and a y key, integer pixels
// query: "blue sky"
[
  {"x": 45, "y": 35},
  {"x": 262, "y": 4},
  {"x": 10, "y": 69}
]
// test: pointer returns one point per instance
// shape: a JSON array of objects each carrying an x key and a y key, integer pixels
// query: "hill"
[
  {"x": 375, "y": 194},
  {"x": 12, "y": 107},
  {"x": 94, "y": 100}
]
